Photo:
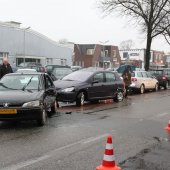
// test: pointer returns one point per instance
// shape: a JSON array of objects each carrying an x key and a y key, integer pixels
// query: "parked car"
[
  {"x": 89, "y": 85},
  {"x": 59, "y": 73},
  {"x": 142, "y": 80},
  {"x": 26, "y": 70},
  {"x": 50, "y": 68},
  {"x": 38, "y": 68},
  {"x": 163, "y": 76},
  {"x": 27, "y": 97},
  {"x": 75, "y": 68},
  {"x": 28, "y": 64}
]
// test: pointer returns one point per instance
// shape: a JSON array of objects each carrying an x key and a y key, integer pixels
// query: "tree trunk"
[{"x": 148, "y": 49}]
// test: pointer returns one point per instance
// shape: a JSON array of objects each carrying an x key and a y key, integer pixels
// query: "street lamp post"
[{"x": 24, "y": 41}]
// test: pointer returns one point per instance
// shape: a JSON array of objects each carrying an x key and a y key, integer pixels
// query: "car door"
[
  {"x": 151, "y": 81},
  {"x": 110, "y": 84},
  {"x": 50, "y": 92},
  {"x": 96, "y": 90},
  {"x": 145, "y": 79}
]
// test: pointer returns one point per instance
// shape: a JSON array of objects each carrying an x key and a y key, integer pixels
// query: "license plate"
[{"x": 8, "y": 111}]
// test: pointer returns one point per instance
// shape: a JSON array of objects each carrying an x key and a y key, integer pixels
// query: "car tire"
[
  {"x": 142, "y": 89},
  {"x": 156, "y": 87},
  {"x": 42, "y": 120},
  {"x": 166, "y": 85},
  {"x": 119, "y": 97},
  {"x": 80, "y": 99}
]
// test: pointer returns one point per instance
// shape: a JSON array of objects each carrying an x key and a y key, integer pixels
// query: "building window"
[
  {"x": 90, "y": 51},
  {"x": 125, "y": 55},
  {"x": 106, "y": 53},
  {"x": 114, "y": 53}
]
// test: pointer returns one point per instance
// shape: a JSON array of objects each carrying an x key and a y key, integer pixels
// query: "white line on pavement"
[{"x": 162, "y": 114}]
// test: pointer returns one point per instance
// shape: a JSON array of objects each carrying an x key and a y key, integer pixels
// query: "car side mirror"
[{"x": 50, "y": 91}]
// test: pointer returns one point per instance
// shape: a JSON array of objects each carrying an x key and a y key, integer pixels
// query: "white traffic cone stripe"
[
  {"x": 109, "y": 146},
  {"x": 109, "y": 158},
  {"x": 169, "y": 122}
]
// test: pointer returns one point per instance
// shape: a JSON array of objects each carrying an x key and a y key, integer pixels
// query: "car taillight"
[{"x": 134, "y": 79}]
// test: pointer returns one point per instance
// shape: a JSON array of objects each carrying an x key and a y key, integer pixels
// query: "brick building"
[{"x": 96, "y": 55}]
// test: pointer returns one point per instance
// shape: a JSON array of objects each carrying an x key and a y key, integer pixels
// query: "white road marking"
[
  {"x": 26, "y": 163},
  {"x": 51, "y": 153},
  {"x": 162, "y": 114},
  {"x": 92, "y": 139}
]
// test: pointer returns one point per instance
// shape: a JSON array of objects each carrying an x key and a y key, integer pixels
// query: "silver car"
[{"x": 142, "y": 80}]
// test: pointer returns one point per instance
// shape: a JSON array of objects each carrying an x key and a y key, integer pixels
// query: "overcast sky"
[{"x": 79, "y": 21}]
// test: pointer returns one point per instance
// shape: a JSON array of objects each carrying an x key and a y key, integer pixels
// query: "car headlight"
[
  {"x": 70, "y": 89},
  {"x": 31, "y": 104}
]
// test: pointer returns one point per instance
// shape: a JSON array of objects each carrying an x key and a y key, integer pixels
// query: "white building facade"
[
  {"x": 26, "y": 45},
  {"x": 133, "y": 55}
]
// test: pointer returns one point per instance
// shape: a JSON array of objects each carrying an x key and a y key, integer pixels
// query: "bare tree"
[
  {"x": 149, "y": 14},
  {"x": 166, "y": 32},
  {"x": 126, "y": 45}
]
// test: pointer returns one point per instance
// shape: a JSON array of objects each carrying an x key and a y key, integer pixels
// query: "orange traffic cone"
[
  {"x": 109, "y": 159},
  {"x": 168, "y": 126}
]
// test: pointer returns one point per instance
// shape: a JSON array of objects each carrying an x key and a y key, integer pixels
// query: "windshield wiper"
[
  {"x": 24, "y": 87},
  {"x": 1, "y": 84}
]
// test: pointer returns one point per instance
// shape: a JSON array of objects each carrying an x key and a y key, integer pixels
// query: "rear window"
[{"x": 156, "y": 72}]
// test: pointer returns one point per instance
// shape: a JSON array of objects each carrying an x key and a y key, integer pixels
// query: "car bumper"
[
  {"x": 134, "y": 86},
  {"x": 22, "y": 114},
  {"x": 66, "y": 97},
  {"x": 162, "y": 83}
]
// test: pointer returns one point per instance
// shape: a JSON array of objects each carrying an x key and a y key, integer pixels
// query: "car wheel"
[
  {"x": 142, "y": 89},
  {"x": 80, "y": 99},
  {"x": 119, "y": 97},
  {"x": 166, "y": 85},
  {"x": 156, "y": 87},
  {"x": 42, "y": 120}
]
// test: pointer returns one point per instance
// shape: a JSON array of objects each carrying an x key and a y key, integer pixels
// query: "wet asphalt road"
[{"x": 74, "y": 139}]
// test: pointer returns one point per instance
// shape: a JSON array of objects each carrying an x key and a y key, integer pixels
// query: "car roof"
[
  {"x": 159, "y": 69},
  {"x": 32, "y": 73},
  {"x": 95, "y": 70}
]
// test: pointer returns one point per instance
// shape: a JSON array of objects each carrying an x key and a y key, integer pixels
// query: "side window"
[
  {"x": 110, "y": 77},
  {"x": 168, "y": 72},
  {"x": 139, "y": 74},
  {"x": 98, "y": 77},
  {"x": 165, "y": 72},
  {"x": 148, "y": 74},
  {"x": 48, "y": 82},
  {"x": 144, "y": 74}
]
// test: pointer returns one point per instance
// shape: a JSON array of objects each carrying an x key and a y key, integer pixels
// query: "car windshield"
[
  {"x": 61, "y": 72},
  {"x": 20, "y": 82},
  {"x": 78, "y": 76}
]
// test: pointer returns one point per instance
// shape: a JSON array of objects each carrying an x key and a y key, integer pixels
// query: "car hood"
[
  {"x": 18, "y": 97},
  {"x": 62, "y": 84}
]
